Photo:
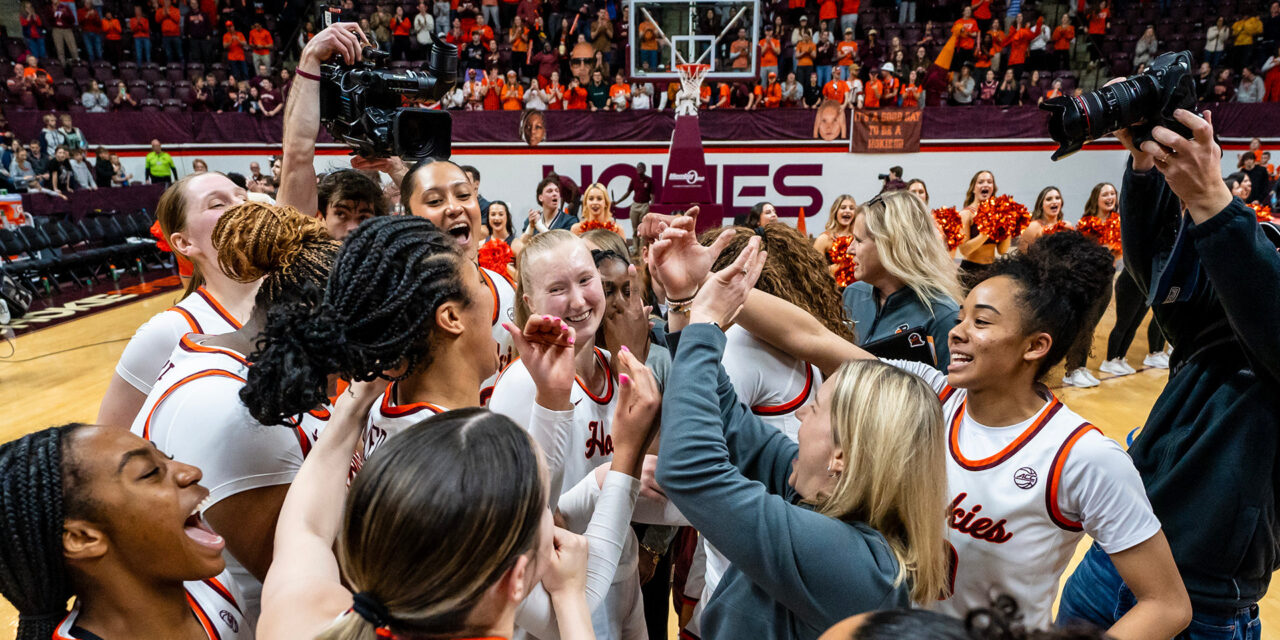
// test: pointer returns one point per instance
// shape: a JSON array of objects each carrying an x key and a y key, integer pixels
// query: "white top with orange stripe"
[
  {"x": 152, "y": 343},
  {"x": 387, "y": 419},
  {"x": 504, "y": 298},
  {"x": 214, "y": 602},
  {"x": 1022, "y": 496},
  {"x": 194, "y": 414},
  {"x": 775, "y": 386}
]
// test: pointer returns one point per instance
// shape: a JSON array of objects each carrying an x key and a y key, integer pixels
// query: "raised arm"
[
  {"x": 302, "y": 114},
  {"x": 303, "y": 591}
]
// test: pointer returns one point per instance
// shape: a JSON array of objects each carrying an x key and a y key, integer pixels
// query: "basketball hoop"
[{"x": 691, "y": 77}]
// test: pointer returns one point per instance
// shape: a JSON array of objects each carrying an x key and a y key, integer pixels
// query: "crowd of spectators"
[{"x": 555, "y": 54}]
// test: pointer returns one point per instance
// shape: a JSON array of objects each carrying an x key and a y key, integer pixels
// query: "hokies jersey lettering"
[
  {"x": 1004, "y": 522},
  {"x": 504, "y": 300},
  {"x": 214, "y": 602}
]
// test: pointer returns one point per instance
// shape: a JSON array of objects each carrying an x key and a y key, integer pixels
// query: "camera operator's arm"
[
  {"x": 302, "y": 113},
  {"x": 1242, "y": 264}
]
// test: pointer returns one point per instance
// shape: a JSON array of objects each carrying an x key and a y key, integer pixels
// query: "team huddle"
[{"x": 377, "y": 437}]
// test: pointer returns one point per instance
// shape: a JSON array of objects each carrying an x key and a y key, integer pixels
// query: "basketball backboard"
[{"x": 666, "y": 33}]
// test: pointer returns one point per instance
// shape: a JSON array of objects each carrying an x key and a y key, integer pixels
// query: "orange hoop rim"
[{"x": 692, "y": 69}]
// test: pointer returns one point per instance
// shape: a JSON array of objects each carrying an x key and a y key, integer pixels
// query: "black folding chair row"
[{"x": 80, "y": 252}]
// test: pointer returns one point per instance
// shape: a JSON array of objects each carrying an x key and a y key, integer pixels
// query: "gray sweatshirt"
[{"x": 795, "y": 572}]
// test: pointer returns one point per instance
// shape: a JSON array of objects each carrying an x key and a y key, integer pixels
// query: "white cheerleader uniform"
[
  {"x": 775, "y": 386},
  {"x": 214, "y": 602},
  {"x": 504, "y": 300},
  {"x": 1022, "y": 496},
  {"x": 194, "y": 414},
  {"x": 147, "y": 351}
]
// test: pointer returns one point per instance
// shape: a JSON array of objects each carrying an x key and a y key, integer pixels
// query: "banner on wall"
[{"x": 886, "y": 131}]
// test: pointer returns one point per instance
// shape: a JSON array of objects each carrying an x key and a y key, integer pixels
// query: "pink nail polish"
[
  {"x": 624, "y": 379},
  {"x": 624, "y": 348},
  {"x": 570, "y": 339}
]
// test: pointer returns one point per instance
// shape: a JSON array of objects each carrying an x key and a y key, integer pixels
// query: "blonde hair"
[
  {"x": 888, "y": 425},
  {"x": 969, "y": 195},
  {"x": 833, "y": 224},
  {"x": 608, "y": 202},
  {"x": 171, "y": 213},
  {"x": 910, "y": 246},
  {"x": 547, "y": 242}
]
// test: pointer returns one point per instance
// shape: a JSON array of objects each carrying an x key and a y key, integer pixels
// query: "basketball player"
[
  {"x": 441, "y": 192},
  {"x": 194, "y": 412},
  {"x": 102, "y": 515},
  {"x": 1027, "y": 476},
  {"x": 211, "y": 305}
]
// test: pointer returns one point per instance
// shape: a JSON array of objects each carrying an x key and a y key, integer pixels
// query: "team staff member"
[
  {"x": 160, "y": 166},
  {"x": 108, "y": 518},
  {"x": 1216, "y": 299},
  {"x": 211, "y": 304}
]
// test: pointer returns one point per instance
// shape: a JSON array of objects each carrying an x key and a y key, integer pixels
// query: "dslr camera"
[
  {"x": 362, "y": 104},
  {"x": 1140, "y": 104}
]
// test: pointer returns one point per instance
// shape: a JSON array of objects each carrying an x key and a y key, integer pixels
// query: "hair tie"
[
  {"x": 368, "y": 607},
  {"x": 759, "y": 231},
  {"x": 51, "y": 616}
]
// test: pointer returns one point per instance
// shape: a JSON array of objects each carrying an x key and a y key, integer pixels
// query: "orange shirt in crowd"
[
  {"x": 234, "y": 43},
  {"x": 513, "y": 97},
  {"x": 743, "y": 61},
  {"x": 1098, "y": 22},
  {"x": 769, "y": 49},
  {"x": 827, "y": 10},
  {"x": 1062, "y": 38},
  {"x": 981, "y": 9},
  {"x": 575, "y": 99},
  {"x": 557, "y": 93},
  {"x": 140, "y": 27},
  {"x": 648, "y": 36},
  {"x": 493, "y": 99},
  {"x": 805, "y": 51},
  {"x": 726, "y": 96},
  {"x": 486, "y": 32},
  {"x": 261, "y": 41},
  {"x": 795, "y": 4},
  {"x": 773, "y": 95},
  {"x": 401, "y": 27},
  {"x": 111, "y": 29},
  {"x": 170, "y": 21},
  {"x": 871, "y": 94},
  {"x": 1052, "y": 93},
  {"x": 849, "y": 6},
  {"x": 910, "y": 96},
  {"x": 1019, "y": 42},
  {"x": 845, "y": 51},
  {"x": 836, "y": 90},
  {"x": 620, "y": 89},
  {"x": 997, "y": 41},
  {"x": 704, "y": 95},
  {"x": 968, "y": 35}
]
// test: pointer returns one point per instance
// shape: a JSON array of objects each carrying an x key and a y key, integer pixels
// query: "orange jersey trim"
[
  {"x": 217, "y": 306},
  {"x": 203, "y": 617},
  {"x": 497, "y": 301},
  {"x": 1055, "y": 478},
  {"x": 146, "y": 425},
  {"x": 396, "y": 411},
  {"x": 794, "y": 403},
  {"x": 191, "y": 320},
  {"x": 187, "y": 344},
  {"x": 608, "y": 376},
  {"x": 953, "y": 440}
]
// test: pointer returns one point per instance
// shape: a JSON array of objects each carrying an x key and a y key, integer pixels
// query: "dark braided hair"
[
  {"x": 377, "y": 314},
  {"x": 34, "y": 504},
  {"x": 1060, "y": 278}
]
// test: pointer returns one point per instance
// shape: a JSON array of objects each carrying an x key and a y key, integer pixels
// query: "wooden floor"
[{"x": 49, "y": 380}]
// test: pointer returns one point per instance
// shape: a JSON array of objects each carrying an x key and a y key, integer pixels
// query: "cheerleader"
[
  {"x": 247, "y": 465},
  {"x": 833, "y": 243},
  {"x": 211, "y": 304},
  {"x": 97, "y": 513},
  {"x": 440, "y": 191},
  {"x": 597, "y": 211},
  {"x": 918, "y": 187},
  {"x": 1099, "y": 213},
  {"x": 976, "y": 248},
  {"x": 1045, "y": 218},
  {"x": 1026, "y": 475}
]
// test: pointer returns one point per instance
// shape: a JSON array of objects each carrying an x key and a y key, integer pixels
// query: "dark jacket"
[
  {"x": 795, "y": 572},
  {"x": 1208, "y": 451},
  {"x": 902, "y": 310}
]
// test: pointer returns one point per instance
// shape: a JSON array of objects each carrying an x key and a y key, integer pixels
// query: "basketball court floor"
[{"x": 52, "y": 378}]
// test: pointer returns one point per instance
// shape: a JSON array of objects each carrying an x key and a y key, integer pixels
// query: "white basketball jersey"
[
  {"x": 1006, "y": 529},
  {"x": 143, "y": 358},
  {"x": 213, "y": 602},
  {"x": 204, "y": 314},
  {"x": 504, "y": 301},
  {"x": 589, "y": 443},
  {"x": 386, "y": 419}
]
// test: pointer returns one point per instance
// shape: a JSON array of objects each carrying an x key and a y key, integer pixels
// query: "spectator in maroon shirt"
[
  {"x": 198, "y": 31},
  {"x": 91, "y": 29},
  {"x": 64, "y": 36},
  {"x": 269, "y": 100},
  {"x": 547, "y": 62},
  {"x": 641, "y": 192}
]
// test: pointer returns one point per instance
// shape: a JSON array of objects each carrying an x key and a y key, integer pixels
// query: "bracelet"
[
  {"x": 679, "y": 306},
  {"x": 306, "y": 74}
]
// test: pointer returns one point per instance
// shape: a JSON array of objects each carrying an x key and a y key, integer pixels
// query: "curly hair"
[
  {"x": 285, "y": 249},
  {"x": 349, "y": 184},
  {"x": 377, "y": 314},
  {"x": 794, "y": 271},
  {"x": 1059, "y": 278}
]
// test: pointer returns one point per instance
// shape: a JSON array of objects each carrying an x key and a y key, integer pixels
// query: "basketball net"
[{"x": 691, "y": 77}]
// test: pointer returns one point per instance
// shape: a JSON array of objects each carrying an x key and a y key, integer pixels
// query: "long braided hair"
[
  {"x": 34, "y": 472},
  {"x": 377, "y": 314}
]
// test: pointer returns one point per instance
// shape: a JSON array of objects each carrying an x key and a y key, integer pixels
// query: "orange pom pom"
[
  {"x": 1111, "y": 232},
  {"x": 1092, "y": 227},
  {"x": 1262, "y": 211},
  {"x": 948, "y": 220},
  {"x": 1061, "y": 225},
  {"x": 495, "y": 255},
  {"x": 1001, "y": 218},
  {"x": 839, "y": 255},
  {"x": 590, "y": 225}
]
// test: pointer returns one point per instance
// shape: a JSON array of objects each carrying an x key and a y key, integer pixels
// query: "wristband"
[{"x": 305, "y": 74}]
